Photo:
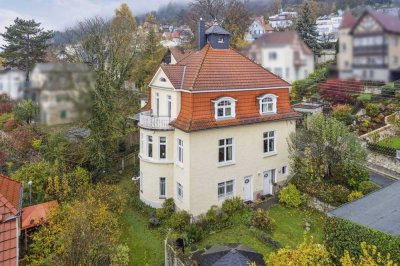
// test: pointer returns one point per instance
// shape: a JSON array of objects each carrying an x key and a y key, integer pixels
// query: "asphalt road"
[{"x": 381, "y": 180}]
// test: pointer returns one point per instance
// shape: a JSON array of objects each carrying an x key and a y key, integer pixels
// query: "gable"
[
  {"x": 161, "y": 80},
  {"x": 367, "y": 24}
]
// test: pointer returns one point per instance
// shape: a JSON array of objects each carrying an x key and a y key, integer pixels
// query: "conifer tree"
[
  {"x": 306, "y": 27},
  {"x": 26, "y": 44}
]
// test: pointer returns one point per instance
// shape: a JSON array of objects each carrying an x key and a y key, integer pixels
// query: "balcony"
[
  {"x": 370, "y": 50},
  {"x": 147, "y": 120}
]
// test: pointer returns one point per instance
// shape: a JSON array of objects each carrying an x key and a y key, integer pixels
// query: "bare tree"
[{"x": 208, "y": 9}]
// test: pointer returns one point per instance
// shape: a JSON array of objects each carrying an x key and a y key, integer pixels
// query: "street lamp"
[{"x": 30, "y": 192}]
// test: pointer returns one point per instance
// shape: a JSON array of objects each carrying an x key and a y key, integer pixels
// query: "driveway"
[{"x": 381, "y": 180}]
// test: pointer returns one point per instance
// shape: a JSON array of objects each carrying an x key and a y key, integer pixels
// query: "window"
[
  {"x": 269, "y": 142},
  {"x": 267, "y": 103},
  {"x": 180, "y": 151},
  {"x": 272, "y": 56},
  {"x": 149, "y": 146},
  {"x": 284, "y": 170},
  {"x": 157, "y": 104},
  {"x": 220, "y": 40},
  {"x": 163, "y": 187},
  {"x": 225, "y": 189},
  {"x": 163, "y": 147},
  {"x": 63, "y": 114},
  {"x": 225, "y": 108},
  {"x": 225, "y": 150},
  {"x": 278, "y": 71},
  {"x": 169, "y": 105},
  {"x": 179, "y": 191},
  {"x": 162, "y": 79}
]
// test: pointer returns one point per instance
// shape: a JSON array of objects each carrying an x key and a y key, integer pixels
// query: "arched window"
[
  {"x": 225, "y": 108},
  {"x": 267, "y": 104}
]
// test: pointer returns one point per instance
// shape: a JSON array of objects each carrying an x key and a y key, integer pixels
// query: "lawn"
[
  {"x": 289, "y": 229},
  {"x": 236, "y": 234},
  {"x": 392, "y": 142}
]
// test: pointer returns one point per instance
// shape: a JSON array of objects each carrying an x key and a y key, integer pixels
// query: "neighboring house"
[
  {"x": 216, "y": 126},
  {"x": 10, "y": 213},
  {"x": 379, "y": 210},
  {"x": 257, "y": 28},
  {"x": 61, "y": 89},
  {"x": 174, "y": 54},
  {"x": 328, "y": 27},
  {"x": 282, "y": 20},
  {"x": 369, "y": 47},
  {"x": 12, "y": 83},
  {"x": 283, "y": 53}
]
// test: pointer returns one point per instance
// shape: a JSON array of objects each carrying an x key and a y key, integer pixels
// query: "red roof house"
[
  {"x": 35, "y": 215},
  {"x": 10, "y": 210}
]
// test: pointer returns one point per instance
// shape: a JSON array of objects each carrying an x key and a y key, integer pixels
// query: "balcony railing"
[
  {"x": 147, "y": 120},
  {"x": 371, "y": 50}
]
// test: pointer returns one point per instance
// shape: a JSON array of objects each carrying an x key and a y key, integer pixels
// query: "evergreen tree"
[
  {"x": 306, "y": 27},
  {"x": 26, "y": 44}
]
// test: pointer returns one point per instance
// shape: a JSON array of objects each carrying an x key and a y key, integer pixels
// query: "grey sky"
[{"x": 59, "y": 14}]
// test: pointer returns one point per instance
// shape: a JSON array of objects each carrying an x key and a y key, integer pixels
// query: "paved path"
[{"x": 381, "y": 180}]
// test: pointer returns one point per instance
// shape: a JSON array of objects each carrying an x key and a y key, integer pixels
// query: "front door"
[
  {"x": 268, "y": 177},
  {"x": 247, "y": 193}
]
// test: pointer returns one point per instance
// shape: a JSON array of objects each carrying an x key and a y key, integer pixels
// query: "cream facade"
[{"x": 185, "y": 165}]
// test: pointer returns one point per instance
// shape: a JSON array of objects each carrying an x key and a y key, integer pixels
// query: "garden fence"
[{"x": 172, "y": 257}]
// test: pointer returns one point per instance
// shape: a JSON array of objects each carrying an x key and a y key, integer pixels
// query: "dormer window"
[
  {"x": 225, "y": 108},
  {"x": 221, "y": 40},
  {"x": 267, "y": 104}
]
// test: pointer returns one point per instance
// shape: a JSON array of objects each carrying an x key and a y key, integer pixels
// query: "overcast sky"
[{"x": 59, "y": 14}]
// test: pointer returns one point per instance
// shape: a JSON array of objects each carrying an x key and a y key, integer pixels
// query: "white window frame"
[
  {"x": 179, "y": 187},
  {"x": 149, "y": 141},
  {"x": 225, "y": 147},
  {"x": 221, "y": 40},
  {"x": 162, "y": 181},
  {"x": 268, "y": 138},
  {"x": 157, "y": 104},
  {"x": 232, "y": 102},
  {"x": 179, "y": 151},
  {"x": 159, "y": 147},
  {"x": 169, "y": 105},
  {"x": 284, "y": 170},
  {"x": 261, "y": 102},
  {"x": 224, "y": 186}
]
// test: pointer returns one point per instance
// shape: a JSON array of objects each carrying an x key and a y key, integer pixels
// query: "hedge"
[
  {"x": 381, "y": 149},
  {"x": 344, "y": 235}
]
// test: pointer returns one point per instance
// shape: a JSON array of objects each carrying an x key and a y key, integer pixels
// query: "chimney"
[{"x": 201, "y": 34}]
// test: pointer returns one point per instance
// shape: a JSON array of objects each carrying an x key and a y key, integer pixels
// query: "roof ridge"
[
  {"x": 248, "y": 59},
  {"x": 207, "y": 48}
]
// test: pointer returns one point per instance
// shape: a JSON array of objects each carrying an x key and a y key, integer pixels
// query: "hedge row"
[
  {"x": 381, "y": 149},
  {"x": 343, "y": 235}
]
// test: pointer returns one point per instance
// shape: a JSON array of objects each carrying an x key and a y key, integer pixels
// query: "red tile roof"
[
  {"x": 348, "y": 20},
  {"x": 35, "y": 215},
  {"x": 220, "y": 69},
  {"x": 178, "y": 53},
  {"x": 9, "y": 207}
]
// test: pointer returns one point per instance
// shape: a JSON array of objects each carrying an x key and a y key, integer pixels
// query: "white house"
[
  {"x": 12, "y": 83},
  {"x": 283, "y": 53},
  {"x": 328, "y": 26},
  {"x": 215, "y": 126},
  {"x": 282, "y": 20},
  {"x": 257, "y": 28}
]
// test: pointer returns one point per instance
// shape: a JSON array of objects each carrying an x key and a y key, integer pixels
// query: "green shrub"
[
  {"x": 290, "y": 196},
  {"x": 372, "y": 109},
  {"x": 354, "y": 195},
  {"x": 344, "y": 235},
  {"x": 179, "y": 220},
  {"x": 230, "y": 206},
  {"x": 212, "y": 215},
  {"x": 339, "y": 193},
  {"x": 167, "y": 209},
  {"x": 192, "y": 234},
  {"x": 262, "y": 220},
  {"x": 367, "y": 187},
  {"x": 4, "y": 118}
]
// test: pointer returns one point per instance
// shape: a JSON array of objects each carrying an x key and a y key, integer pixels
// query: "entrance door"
[
  {"x": 268, "y": 177},
  {"x": 247, "y": 193}
]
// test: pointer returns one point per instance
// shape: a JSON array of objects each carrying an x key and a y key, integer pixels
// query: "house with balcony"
[
  {"x": 369, "y": 47},
  {"x": 257, "y": 28},
  {"x": 215, "y": 126},
  {"x": 328, "y": 26},
  {"x": 282, "y": 20},
  {"x": 283, "y": 53}
]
